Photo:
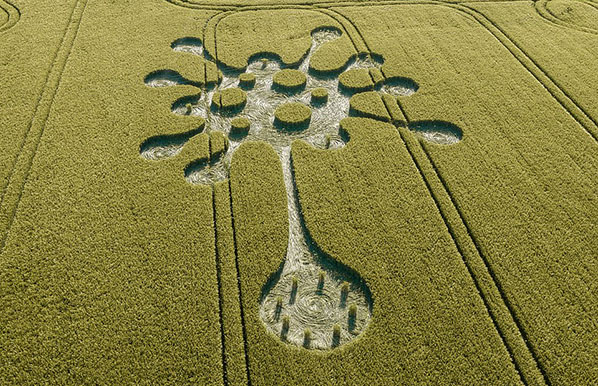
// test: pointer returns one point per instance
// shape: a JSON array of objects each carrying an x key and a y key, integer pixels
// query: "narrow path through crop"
[
  {"x": 527, "y": 374},
  {"x": 23, "y": 162},
  {"x": 13, "y": 14}
]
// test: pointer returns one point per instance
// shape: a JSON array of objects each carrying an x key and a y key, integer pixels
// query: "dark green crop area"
[{"x": 227, "y": 192}]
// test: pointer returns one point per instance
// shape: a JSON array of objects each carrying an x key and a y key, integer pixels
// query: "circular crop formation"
[
  {"x": 292, "y": 115},
  {"x": 240, "y": 126},
  {"x": 247, "y": 80},
  {"x": 316, "y": 308},
  {"x": 289, "y": 80},
  {"x": 229, "y": 99},
  {"x": 319, "y": 95}
]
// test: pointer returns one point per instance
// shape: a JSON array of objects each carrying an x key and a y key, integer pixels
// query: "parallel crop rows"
[{"x": 256, "y": 220}]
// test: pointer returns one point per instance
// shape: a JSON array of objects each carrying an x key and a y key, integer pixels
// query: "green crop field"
[{"x": 299, "y": 192}]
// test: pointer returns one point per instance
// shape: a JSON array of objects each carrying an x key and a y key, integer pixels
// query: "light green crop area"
[
  {"x": 227, "y": 192},
  {"x": 101, "y": 292},
  {"x": 356, "y": 80},
  {"x": 319, "y": 95},
  {"x": 240, "y": 126},
  {"x": 289, "y": 79},
  {"x": 32, "y": 49},
  {"x": 4, "y": 17},
  {"x": 292, "y": 114},
  {"x": 229, "y": 99},
  {"x": 247, "y": 80},
  {"x": 370, "y": 105}
]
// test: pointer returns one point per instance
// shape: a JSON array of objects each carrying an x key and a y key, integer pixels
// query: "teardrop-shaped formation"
[
  {"x": 439, "y": 132},
  {"x": 166, "y": 146},
  {"x": 165, "y": 78},
  {"x": 313, "y": 301}
]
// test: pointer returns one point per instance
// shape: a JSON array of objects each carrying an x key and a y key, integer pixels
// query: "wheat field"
[{"x": 299, "y": 192}]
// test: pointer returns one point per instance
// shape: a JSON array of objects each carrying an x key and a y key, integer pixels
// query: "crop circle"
[
  {"x": 314, "y": 309},
  {"x": 230, "y": 99},
  {"x": 293, "y": 115},
  {"x": 247, "y": 80},
  {"x": 239, "y": 127},
  {"x": 289, "y": 80},
  {"x": 319, "y": 96}
]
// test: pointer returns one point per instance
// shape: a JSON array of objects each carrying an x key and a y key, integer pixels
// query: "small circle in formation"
[
  {"x": 319, "y": 96},
  {"x": 239, "y": 127},
  {"x": 356, "y": 80},
  {"x": 229, "y": 99},
  {"x": 289, "y": 80},
  {"x": 247, "y": 80},
  {"x": 293, "y": 115}
]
